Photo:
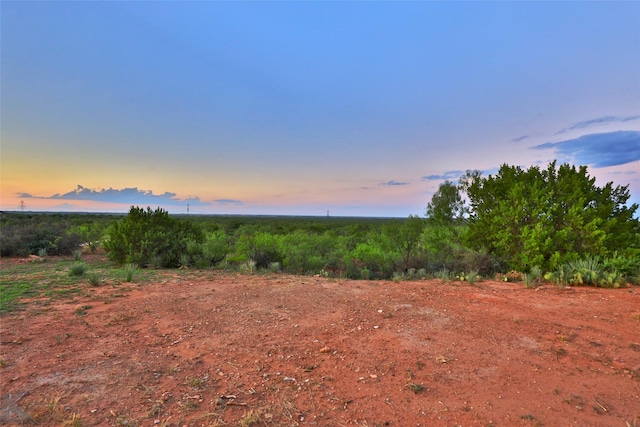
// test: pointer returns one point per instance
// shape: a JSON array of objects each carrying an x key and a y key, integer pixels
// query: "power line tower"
[{"x": 22, "y": 206}]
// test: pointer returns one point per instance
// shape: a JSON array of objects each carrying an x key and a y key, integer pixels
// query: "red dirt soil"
[{"x": 216, "y": 348}]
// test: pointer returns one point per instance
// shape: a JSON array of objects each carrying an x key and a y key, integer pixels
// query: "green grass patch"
[
  {"x": 53, "y": 280},
  {"x": 10, "y": 294}
]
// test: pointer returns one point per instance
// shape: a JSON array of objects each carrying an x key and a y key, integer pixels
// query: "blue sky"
[{"x": 296, "y": 108}]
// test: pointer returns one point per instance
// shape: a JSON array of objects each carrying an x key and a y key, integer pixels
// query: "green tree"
[
  {"x": 405, "y": 239},
  {"x": 545, "y": 217},
  {"x": 446, "y": 217},
  {"x": 447, "y": 207}
]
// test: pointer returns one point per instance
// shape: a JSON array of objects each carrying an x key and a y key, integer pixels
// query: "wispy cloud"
[
  {"x": 520, "y": 138},
  {"x": 228, "y": 202},
  {"x": 598, "y": 149},
  {"x": 447, "y": 175},
  {"x": 393, "y": 183},
  {"x": 623, "y": 173},
  {"x": 598, "y": 121},
  {"x": 125, "y": 195}
]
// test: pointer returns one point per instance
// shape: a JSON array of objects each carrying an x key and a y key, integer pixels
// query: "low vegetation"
[{"x": 534, "y": 225}]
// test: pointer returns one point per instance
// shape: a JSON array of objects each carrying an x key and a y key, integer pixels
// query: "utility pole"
[{"x": 187, "y": 208}]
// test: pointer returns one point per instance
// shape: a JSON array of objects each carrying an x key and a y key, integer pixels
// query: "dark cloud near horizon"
[
  {"x": 126, "y": 195},
  {"x": 598, "y": 121},
  {"x": 599, "y": 149},
  {"x": 394, "y": 183},
  {"x": 448, "y": 175},
  {"x": 228, "y": 202}
]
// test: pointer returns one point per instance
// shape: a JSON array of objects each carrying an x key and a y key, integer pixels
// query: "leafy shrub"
[
  {"x": 275, "y": 267},
  {"x": 464, "y": 259},
  {"x": 626, "y": 265},
  {"x": 547, "y": 217},
  {"x": 216, "y": 247},
  {"x": 304, "y": 252},
  {"x": 91, "y": 234},
  {"x": 144, "y": 234},
  {"x": 371, "y": 255},
  {"x": 260, "y": 247}
]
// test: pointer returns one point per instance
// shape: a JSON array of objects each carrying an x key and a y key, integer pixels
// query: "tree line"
[{"x": 554, "y": 220}]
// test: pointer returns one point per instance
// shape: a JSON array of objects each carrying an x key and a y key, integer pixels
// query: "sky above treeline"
[{"x": 304, "y": 108}]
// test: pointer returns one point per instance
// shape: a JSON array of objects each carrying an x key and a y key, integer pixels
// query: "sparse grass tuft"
[
  {"x": 416, "y": 388},
  {"x": 248, "y": 266},
  {"x": 129, "y": 271},
  {"x": 398, "y": 276},
  {"x": 249, "y": 419},
  {"x": 94, "y": 278},
  {"x": 10, "y": 293},
  {"x": 74, "y": 420},
  {"x": 77, "y": 269}
]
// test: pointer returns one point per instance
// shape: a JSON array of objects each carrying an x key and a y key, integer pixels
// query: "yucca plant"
[
  {"x": 586, "y": 271},
  {"x": 532, "y": 279},
  {"x": 472, "y": 277},
  {"x": 443, "y": 274},
  {"x": 185, "y": 261},
  {"x": 155, "y": 261}
]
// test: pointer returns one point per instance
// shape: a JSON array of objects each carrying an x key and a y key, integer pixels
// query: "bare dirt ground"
[{"x": 216, "y": 348}]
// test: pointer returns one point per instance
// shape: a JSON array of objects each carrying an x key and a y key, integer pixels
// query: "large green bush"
[
  {"x": 539, "y": 217},
  {"x": 144, "y": 235},
  {"x": 259, "y": 246},
  {"x": 306, "y": 252}
]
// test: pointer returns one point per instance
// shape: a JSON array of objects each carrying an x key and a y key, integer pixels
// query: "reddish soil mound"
[{"x": 224, "y": 349}]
